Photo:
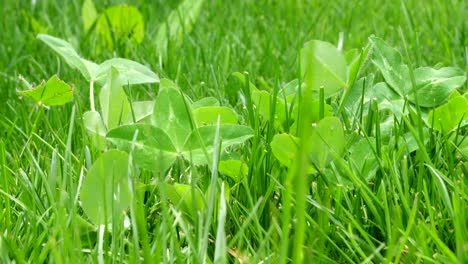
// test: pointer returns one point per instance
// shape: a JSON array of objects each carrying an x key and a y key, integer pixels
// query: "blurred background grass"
[{"x": 260, "y": 37}]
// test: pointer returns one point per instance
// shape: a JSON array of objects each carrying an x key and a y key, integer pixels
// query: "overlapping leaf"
[
  {"x": 323, "y": 66},
  {"x": 105, "y": 194},
  {"x": 114, "y": 102}
]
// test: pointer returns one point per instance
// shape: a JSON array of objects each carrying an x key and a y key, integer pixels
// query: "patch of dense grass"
[{"x": 412, "y": 209}]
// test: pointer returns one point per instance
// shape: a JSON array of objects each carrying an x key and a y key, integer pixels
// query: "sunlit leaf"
[
  {"x": 235, "y": 169},
  {"x": 284, "y": 147},
  {"x": 390, "y": 64},
  {"x": 203, "y": 140},
  {"x": 70, "y": 55},
  {"x": 179, "y": 22},
  {"x": 93, "y": 123},
  {"x": 97, "y": 130},
  {"x": 52, "y": 92},
  {"x": 118, "y": 23},
  {"x": 204, "y": 102},
  {"x": 184, "y": 197},
  {"x": 328, "y": 141},
  {"x": 172, "y": 113},
  {"x": 141, "y": 110},
  {"x": 88, "y": 14},
  {"x": 323, "y": 65},
  {"x": 448, "y": 116},
  {"x": 130, "y": 72},
  {"x": 115, "y": 106},
  {"x": 209, "y": 115},
  {"x": 435, "y": 86},
  {"x": 152, "y": 147}
]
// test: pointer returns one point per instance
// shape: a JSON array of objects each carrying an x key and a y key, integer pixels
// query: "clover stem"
[{"x": 91, "y": 95}]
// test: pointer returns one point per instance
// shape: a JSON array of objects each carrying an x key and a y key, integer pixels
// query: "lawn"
[{"x": 202, "y": 131}]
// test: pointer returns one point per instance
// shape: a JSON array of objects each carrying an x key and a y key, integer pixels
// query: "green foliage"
[
  {"x": 323, "y": 66},
  {"x": 327, "y": 139},
  {"x": 105, "y": 193},
  {"x": 130, "y": 72},
  {"x": 52, "y": 92},
  {"x": 89, "y": 14},
  {"x": 235, "y": 169},
  {"x": 328, "y": 142},
  {"x": 284, "y": 147},
  {"x": 173, "y": 132},
  {"x": 153, "y": 148},
  {"x": 209, "y": 115},
  {"x": 71, "y": 57},
  {"x": 435, "y": 86},
  {"x": 185, "y": 197},
  {"x": 115, "y": 106},
  {"x": 179, "y": 22},
  {"x": 118, "y": 23},
  {"x": 172, "y": 114},
  {"x": 332, "y": 153},
  {"x": 451, "y": 115},
  {"x": 432, "y": 87}
]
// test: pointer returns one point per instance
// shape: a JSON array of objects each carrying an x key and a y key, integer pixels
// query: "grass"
[{"x": 413, "y": 211}]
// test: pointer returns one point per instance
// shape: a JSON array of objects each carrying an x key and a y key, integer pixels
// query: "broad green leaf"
[
  {"x": 261, "y": 100},
  {"x": 141, "y": 110},
  {"x": 204, "y": 102},
  {"x": 228, "y": 134},
  {"x": 390, "y": 64},
  {"x": 382, "y": 92},
  {"x": 172, "y": 113},
  {"x": 435, "y": 86},
  {"x": 105, "y": 194},
  {"x": 119, "y": 23},
  {"x": 152, "y": 148},
  {"x": 362, "y": 154},
  {"x": 284, "y": 148},
  {"x": 387, "y": 99},
  {"x": 184, "y": 197},
  {"x": 235, "y": 169},
  {"x": 69, "y": 54},
  {"x": 179, "y": 22},
  {"x": 209, "y": 115},
  {"x": 323, "y": 65},
  {"x": 93, "y": 123},
  {"x": 130, "y": 72},
  {"x": 448, "y": 116},
  {"x": 52, "y": 92},
  {"x": 328, "y": 141},
  {"x": 97, "y": 130},
  {"x": 115, "y": 106},
  {"x": 88, "y": 14}
]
